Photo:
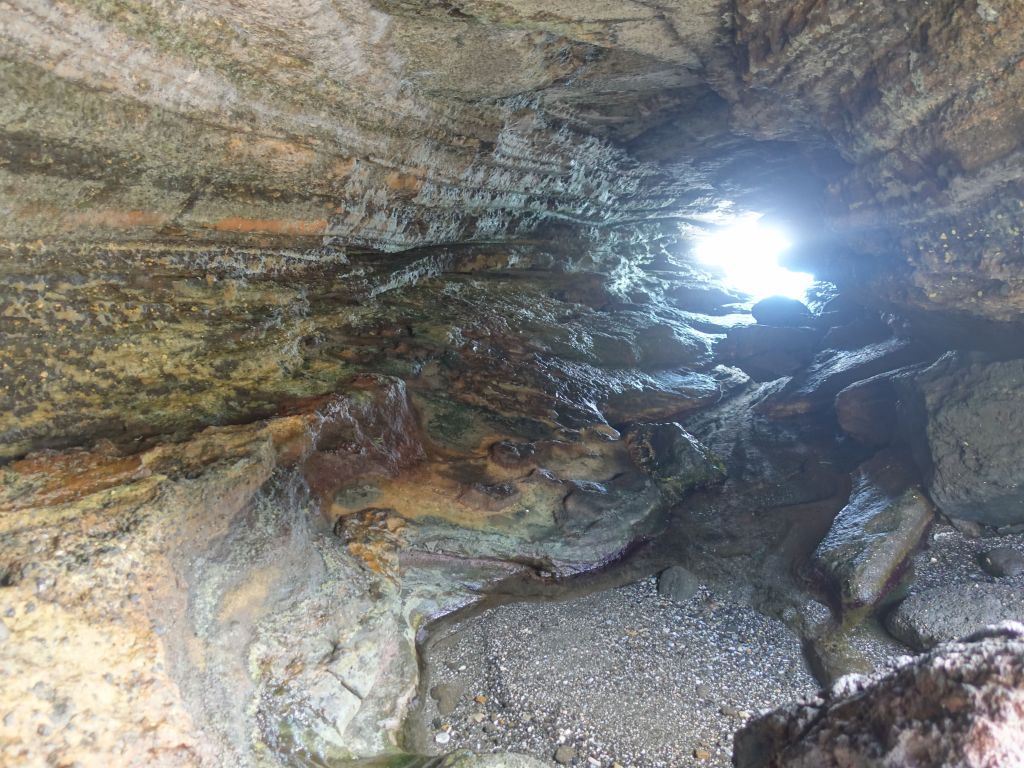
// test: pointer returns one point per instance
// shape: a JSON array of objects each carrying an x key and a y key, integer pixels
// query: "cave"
[{"x": 468, "y": 384}]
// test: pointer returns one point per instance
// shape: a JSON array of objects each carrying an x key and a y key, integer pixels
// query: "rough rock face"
[
  {"x": 972, "y": 410},
  {"x": 393, "y": 123},
  {"x": 959, "y": 705},
  {"x": 319, "y": 317}
]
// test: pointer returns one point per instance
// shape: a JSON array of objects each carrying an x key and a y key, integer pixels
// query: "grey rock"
[
  {"x": 768, "y": 352},
  {"x": 973, "y": 413},
  {"x": 875, "y": 533},
  {"x": 945, "y": 613},
  {"x": 956, "y": 706},
  {"x": 565, "y": 754},
  {"x": 677, "y": 584},
  {"x": 816, "y": 386},
  {"x": 1002, "y": 561},
  {"x": 860, "y": 649}
]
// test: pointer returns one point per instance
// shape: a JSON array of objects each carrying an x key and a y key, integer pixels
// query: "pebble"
[
  {"x": 701, "y": 754},
  {"x": 565, "y": 754},
  {"x": 442, "y": 738},
  {"x": 1002, "y": 561}
]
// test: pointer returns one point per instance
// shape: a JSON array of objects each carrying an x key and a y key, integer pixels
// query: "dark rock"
[
  {"x": 677, "y": 584},
  {"x": 1002, "y": 561},
  {"x": 957, "y": 706},
  {"x": 674, "y": 459},
  {"x": 857, "y": 333},
  {"x": 973, "y": 416},
  {"x": 767, "y": 352},
  {"x": 945, "y": 613},
  {"x": 703, "y": 298},
  {"x": 874, "y": 411},
  {"x": 834, "y": 370},
  {"x": 875, "y": 533},
  {"x": 778, "y": 310}
]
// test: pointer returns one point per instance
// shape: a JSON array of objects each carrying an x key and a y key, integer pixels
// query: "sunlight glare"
[{"x": 747, "y": 254}]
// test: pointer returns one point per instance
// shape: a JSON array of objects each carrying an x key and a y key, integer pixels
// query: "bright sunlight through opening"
[{"x": 747, "y": 254}]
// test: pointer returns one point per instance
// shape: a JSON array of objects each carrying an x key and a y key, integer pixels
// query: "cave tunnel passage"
[{"x": 462, "y": 384}]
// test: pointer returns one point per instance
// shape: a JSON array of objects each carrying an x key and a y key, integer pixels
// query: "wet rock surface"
[
  {"x": 874, "y": 535},
  {"x": 958, "y": 705}
]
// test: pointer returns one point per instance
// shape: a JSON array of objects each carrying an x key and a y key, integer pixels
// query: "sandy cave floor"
[{"x": 617, "y": 677}]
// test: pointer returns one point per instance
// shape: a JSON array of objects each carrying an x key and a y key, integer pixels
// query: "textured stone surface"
[
  {"x": 942, "y": 614},
  {"x": 873, "y": 536},
  {"x": 957, "y": 706},
  {"x": 972, "y": 411},
  {"x": 394, "y": 123}
]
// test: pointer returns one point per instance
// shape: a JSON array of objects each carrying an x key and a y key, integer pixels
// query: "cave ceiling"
[{"x": 889, "y": 131}]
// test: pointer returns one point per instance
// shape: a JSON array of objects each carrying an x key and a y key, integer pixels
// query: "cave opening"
[
  {"x": 475, "y": 385},
  {"x": 747, "y": 252}
]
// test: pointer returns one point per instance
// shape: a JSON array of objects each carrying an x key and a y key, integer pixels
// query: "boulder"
[
  {"x": 778, "y": 310},
  {"x": 957, "y": 706},
  {"x": 973, "y": 415},
  {"x": 858, "y": 332},
  {"x": 833, "y": 370},
  {"x": 1002, "y": 561},
  {"x": 875, "y": 533},
  {"x": 945, "y": 613}
]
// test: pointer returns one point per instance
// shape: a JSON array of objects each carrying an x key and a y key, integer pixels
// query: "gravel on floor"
[
  {"x": 952, "y": 558},
  {"x": 617, "y": 678}
]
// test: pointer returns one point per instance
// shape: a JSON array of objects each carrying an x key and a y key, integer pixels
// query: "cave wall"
[{"x": 373, "y": 303}]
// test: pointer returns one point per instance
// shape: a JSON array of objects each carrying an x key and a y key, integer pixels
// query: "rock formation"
[
  {"x": 321, "y": 320},
  {"x": 958, "y": 705}
]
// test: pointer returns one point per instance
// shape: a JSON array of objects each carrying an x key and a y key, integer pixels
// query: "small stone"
[
  {"x": 447, "y": 696},
  {"x": 442, "y": 738},
  {"x": 565, "y": 754},
  {"x": 701, "y": 754},
  {"x": 1002, "y": 561},
  {"x": 480, "y": 699},
  {"x": 477, "y": 717},
  {"x": 677, "y": 584},
  {"x": 729, "y": 711}
]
